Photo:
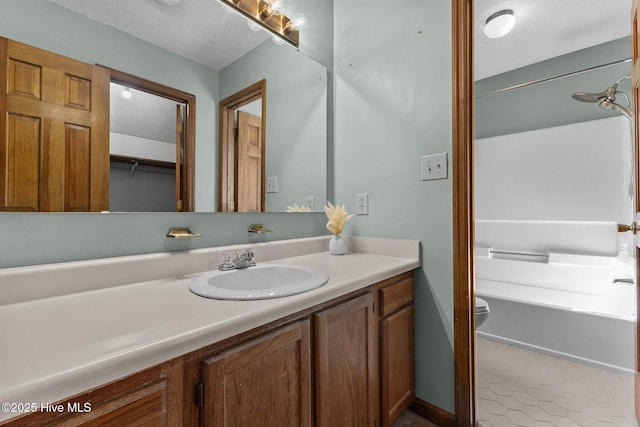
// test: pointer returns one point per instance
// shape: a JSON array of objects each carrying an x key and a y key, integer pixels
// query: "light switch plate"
[{"x": 434, "y": 166}]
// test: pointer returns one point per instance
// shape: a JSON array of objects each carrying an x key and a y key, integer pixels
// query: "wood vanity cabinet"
[
  {"x": 346, "y": 362},
  {"x": 396, "y": 354}
]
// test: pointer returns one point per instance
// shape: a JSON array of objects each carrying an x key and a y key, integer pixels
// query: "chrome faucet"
[{"x": 244, "y": 258}]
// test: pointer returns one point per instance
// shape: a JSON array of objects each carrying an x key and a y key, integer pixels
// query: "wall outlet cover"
[
  {"x": 310, "y": 202},
  {"x": 362, "y": 204},
  {"x": 272, "y": 184}
]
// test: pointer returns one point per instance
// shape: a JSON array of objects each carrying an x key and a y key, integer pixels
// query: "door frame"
[
  {"x": 463, "y": 211},
  {"x": 187, "y": 169},
  {"x": 227, "y": 175}
]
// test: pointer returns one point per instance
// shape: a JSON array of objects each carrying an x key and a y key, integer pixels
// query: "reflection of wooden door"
[
  {"x": 635, "y": 32},
  {"x": 228, "y": 174},
  {"x": 250, "y": 164},
  {"x": 179, "y": 156},
  {"x": 54, "y": 154}
]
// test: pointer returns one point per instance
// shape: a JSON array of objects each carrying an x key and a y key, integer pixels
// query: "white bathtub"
[{"x": 567, "y": 306}]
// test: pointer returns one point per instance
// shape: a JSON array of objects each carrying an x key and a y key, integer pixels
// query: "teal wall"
[
  {"x": 40, "y": 238},
  {"x": 393, "y": 105},
  {"x": 550, "y": 104}
]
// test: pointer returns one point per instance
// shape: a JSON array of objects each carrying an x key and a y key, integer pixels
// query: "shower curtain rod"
[{"x": 560, "y": 76}]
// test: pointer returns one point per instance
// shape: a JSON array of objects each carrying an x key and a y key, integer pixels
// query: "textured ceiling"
[
  {"x": 546, "y": 29},
  {"x": 143, "y": 115},
  {"x": 205, "y": 31}
]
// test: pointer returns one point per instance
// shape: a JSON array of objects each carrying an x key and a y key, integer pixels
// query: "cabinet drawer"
[{"x": 395, "y": 295}]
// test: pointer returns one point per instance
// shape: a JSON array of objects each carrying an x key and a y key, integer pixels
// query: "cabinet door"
[
  {"x": 346, "y": 380},
  {"x": 396, "y": 363},
  {"x": 266, "y": 382},
  {"x": 148, "y": 398}
]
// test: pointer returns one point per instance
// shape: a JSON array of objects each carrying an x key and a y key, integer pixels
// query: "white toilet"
[{"x": 482, "y": 311}]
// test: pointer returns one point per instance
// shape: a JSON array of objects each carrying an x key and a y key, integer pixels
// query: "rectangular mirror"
[{"x": 140, "y": 38}]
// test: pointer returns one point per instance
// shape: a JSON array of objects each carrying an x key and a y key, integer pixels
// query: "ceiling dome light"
[{"x": 499, "y": 24}]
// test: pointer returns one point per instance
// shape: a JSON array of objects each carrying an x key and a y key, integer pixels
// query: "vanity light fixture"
[
  {"x": 126, "y": 93},
  {"x": 499, "y": 24},
  {"x": 269, "y": 14}
]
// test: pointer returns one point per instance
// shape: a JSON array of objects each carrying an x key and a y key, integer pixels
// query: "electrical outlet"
[
  {"x": 434, "y": 166},
  {"x": 272, "y": 184},
  {"x": 310, "y": 202},
  {"x": 362, "y": 204}
]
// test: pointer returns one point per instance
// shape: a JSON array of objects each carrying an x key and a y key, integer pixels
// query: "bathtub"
[{"x": 562, "y": 305}]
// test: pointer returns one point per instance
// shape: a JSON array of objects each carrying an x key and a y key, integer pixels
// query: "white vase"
[{"x": 337, "y": 245}]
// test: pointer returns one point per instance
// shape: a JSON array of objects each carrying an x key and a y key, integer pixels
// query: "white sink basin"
[{"x": 263, "y": 281}]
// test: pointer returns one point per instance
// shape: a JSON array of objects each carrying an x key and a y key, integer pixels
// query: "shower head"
[
  {"x": 606, "y": 99},
  {"x": 591, "y": 97}
]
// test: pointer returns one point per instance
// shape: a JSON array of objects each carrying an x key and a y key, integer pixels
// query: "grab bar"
[
  {"x": 624, "y": 280},
  {"x": 542, "y": 257}
]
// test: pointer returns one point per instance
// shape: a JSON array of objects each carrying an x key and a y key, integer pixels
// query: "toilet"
[{"x": 482, "y": 311}]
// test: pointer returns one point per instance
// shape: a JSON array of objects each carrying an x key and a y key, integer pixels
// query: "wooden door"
[
  {"x": 179, "y": 155},
  {"x": 346, "y": 379},
  {"x": 635, "y": 34},
  {"x": 250, "y": 164},
  {"x": 266, "y": 382},
  {"x": 54, "y": 154}
]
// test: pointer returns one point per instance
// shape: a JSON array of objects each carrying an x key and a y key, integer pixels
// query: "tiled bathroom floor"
[{"x": 518, "y": 387}]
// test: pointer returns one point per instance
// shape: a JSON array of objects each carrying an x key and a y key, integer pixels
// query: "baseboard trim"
[{"x": 432, "y": 413}]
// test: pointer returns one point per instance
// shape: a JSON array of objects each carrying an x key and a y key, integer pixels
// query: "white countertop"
[{"x": 55, "y": 347}]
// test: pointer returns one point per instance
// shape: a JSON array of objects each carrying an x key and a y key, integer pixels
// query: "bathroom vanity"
[{"x": 341, "y": 354}]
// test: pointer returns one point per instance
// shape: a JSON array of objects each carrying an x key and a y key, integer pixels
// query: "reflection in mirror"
[
  {"x": 241, "y": 150},
  {"x": 142, "y": 147},
  {"x": 72, "y": 28},
  {"x": 295, "y": 117}
]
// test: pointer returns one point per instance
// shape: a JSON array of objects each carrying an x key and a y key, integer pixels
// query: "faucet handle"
[
  {"x": 224, "y": 260},
  {"x": 245, "y": 254}
]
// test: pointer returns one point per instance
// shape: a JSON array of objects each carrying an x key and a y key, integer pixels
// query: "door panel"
[
  {"x": 21, "y": 155},
  {"x": 250, "y": 164},
  {"x": 55, "y": 153}
]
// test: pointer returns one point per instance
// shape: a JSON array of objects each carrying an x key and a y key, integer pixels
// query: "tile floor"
[{"x": 518, "y": 387}]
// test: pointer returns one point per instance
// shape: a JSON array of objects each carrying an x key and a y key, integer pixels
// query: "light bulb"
[
  {"x": 276, "y": 7},
  {"x": 299, "y": 21},
  {"x": 126, "y": 93}
]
